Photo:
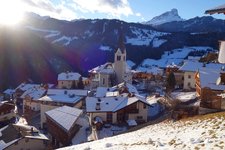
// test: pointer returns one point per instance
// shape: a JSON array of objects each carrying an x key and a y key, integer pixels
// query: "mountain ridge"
[{"x": 169, "y": 16}]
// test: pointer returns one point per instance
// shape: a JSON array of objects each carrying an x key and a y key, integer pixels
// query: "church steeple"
[
  {"x": 120, "y": 59},
  {"x": 121, "y": 44}
]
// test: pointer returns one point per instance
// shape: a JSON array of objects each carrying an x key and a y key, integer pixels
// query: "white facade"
[
  {"x": 189, "y": 80},
  {"x": 141, "y": 114},
  {"x": 104, "y": 80},
  {"x": 120, "y": 65},
  {"x": 221, "y": 57}
]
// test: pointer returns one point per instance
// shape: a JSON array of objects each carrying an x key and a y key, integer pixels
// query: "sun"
[{"x": 11, "y": 12}]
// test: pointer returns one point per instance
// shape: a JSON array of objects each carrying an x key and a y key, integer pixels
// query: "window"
[
  {"x": 118, "y": 58},
  {"x": 109, "y": 117},
  {"x": 144, "y": 106},
  {"x": 189, "y": 76},
  {"x": 103, "y": 81},
  {"x": 189, "y": 84},
  {"x": 139, "y": 117}
]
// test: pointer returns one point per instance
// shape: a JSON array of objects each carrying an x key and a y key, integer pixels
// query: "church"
[{"x": 110, "y": 74}]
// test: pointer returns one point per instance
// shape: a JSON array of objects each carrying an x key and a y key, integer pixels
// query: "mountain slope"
[
  {"x": 195, "y": 25},
  {"x": 23, "y": 56},
  {"x": 100, "y": 37},
  {"x": 169, "y": 16},
  {"x": 202, "y": 132}
]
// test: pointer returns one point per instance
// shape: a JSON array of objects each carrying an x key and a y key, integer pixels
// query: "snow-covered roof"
[
  {"x": 153, "y": 99},
  {"x": 101, "y": 91},
  {"x": 24, "y": 86},
  {"x": 105, "y": 68},
  {"x": 64, "y": 116},
  {"x": 193, "y": 66},
  {"x": 114, "y": 91},
  {"x": 64, "y": 95},
  {"x": 27, "y": 86},
  {"x": 151, "y": 70},
  {"x": 9, "y": 91},
  {"x": 34, "y": 93},
  {"x": 183, "y": 96},
  {"x": 111, "y": 104},
  {"x": 76, "y": 92},
  {"x": 130, "y": 87},
  {"x": 218, "y": 9},
  {"x": 209, "y": 78},
  {"x": 69, "y": 76},
  {"x": 61, "y": 98}
]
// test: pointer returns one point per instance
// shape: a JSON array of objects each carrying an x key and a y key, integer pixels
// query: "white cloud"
[
  {"x": 73, "y": 9},
  {"x": 114, "y": 8},
  {"x": 47, "y": 8},
  {"x": 138, "y": 14}
]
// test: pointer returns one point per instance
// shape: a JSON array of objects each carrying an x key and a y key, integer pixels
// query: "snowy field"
[{"x": 204, "y": 132}]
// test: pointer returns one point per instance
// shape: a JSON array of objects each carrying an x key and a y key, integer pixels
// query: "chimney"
[{"x": 98, "y": 106}]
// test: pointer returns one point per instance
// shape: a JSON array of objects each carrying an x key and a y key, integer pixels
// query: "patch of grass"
[
  {"x": 172, "y": 142},
  {"x": 214, "y": 136},
  {"x": 205, "y": 117},
  {"x": 211, "y": 132},
  {"x": 220, "y": 146},
  {"x": 197, "y": 148},
  {"x": 203, "y": 145}
]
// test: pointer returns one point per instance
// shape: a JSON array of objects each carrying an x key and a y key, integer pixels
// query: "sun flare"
[{"x": 11, "y": 12}]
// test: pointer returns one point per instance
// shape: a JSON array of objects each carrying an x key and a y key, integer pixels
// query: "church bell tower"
[{"x": 120, "y": 60}]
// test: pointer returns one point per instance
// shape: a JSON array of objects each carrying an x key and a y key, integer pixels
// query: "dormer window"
[
  {"x": 118, "y": 58},
  {"x": 97, "y": 106}
]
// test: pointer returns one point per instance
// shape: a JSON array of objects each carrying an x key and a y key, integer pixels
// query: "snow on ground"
[
  {"x": 110, "y": 131},
  {"x": 105, "y": 48},
  {"x": 175, "y": 57},
  {"x": 183, "y": 96},
  {"x": 49, "y": 33},
  {"x": 65, "y": 40},
  {"x": 88, "y": 34},
  {"x": 206, "y": 132},
  {"x": 130, "y": 63},
  {"x": 142, "y": 36},
  {"x": 158, "y": 42},
  {"x": 81, "y": 136}
]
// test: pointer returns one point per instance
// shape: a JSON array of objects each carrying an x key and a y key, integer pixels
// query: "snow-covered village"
[{"x": 176, "y": 101}]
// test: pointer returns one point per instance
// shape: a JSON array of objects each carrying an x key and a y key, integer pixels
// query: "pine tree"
[
  {"x": 74, "y": 85},
  {"x": 80, "y": 83},
  {"x": 170, "y": 82}
]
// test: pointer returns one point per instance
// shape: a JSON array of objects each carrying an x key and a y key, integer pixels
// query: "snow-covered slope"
[
  {"x": 168, "y": 16},
  {"x": 145, "y": 37},
  {"x": 202, "y": 132}
]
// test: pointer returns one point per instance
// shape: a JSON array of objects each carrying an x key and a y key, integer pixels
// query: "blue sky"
[{"x": 127, "y": 10}]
